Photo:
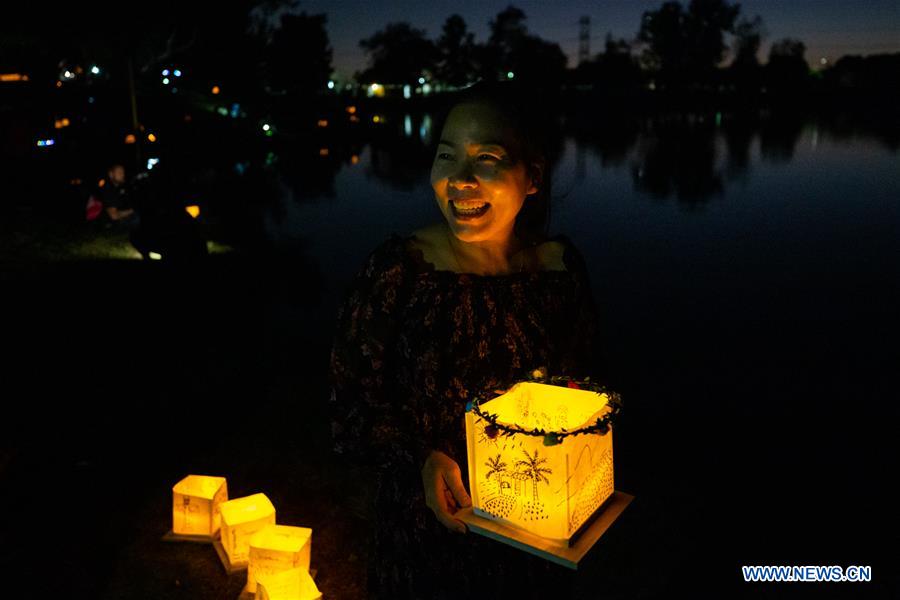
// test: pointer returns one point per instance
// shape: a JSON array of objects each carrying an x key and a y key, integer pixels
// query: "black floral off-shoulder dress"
[{"x": 412, "y": 344}]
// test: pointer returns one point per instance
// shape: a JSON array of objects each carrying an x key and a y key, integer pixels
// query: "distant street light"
[
  {"x": 510, "y": 74},
  {"x": 165, "y": 81},
  {"x": 95, "y": 70},
  {"x": 330, "y": 84},
  {"x": 215, "y": 90},
  {"x": 421, "y": 80}
]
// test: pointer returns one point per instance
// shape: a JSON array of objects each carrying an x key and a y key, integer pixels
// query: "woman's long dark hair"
[{"x": 529, "y": 118}]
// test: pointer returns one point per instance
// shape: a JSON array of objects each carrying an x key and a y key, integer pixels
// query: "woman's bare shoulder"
[
  {"x": 551, "y": 255},
  {"x": 431, "y": 241}
]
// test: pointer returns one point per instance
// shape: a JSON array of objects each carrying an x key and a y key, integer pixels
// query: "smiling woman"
[{"x": 440, "y": 315}]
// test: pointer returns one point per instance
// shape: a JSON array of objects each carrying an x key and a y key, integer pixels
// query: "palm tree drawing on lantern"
[
  {"x": 497, "y": 467},
  {"x": 531, "y": 468}
]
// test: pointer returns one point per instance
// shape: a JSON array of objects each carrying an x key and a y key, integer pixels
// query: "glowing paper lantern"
[
  {"x": 540, "y": 458},
  {"x": 295, "y": 584},
  {"x": 196, "y": 501},
  {"x": 241, "y": 518},
  {"x": 277, "y": 548}
]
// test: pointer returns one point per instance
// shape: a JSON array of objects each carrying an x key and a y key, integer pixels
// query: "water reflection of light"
[
  {"x": 425, "y": 130},
  {"x": 407, "y": 126},
  {"x": 407, "y": 91}
]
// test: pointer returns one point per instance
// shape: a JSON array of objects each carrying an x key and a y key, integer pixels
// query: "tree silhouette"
[
  {"x": 457, "y": 50},
  {"x": 687, "y": 44},
  {"x": 510, "y": 48},
  {"x": 531, "y": 468},
  {"x": 787, "y": 68},
  {"x": 298, "y": 55},
  {"x": 398, "y": 54}
]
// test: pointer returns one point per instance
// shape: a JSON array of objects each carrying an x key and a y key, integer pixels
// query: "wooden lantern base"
[
  {"x": 230, "y": 567},
  {"x": 181, "y": 537},
  {"x": 567, "y": 556}
]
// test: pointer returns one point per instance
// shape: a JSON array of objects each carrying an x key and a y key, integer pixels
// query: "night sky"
[{"x": 829, "y": 28}]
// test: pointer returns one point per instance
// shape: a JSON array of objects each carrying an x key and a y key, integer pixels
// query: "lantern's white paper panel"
[
  {"x": 196, "y": 501},
  {"x": 277, "y": 548},
  {"x": 295, "y": 584},
  {"x": 241, "y": 518},
  {"x": 549, "y": 491}
]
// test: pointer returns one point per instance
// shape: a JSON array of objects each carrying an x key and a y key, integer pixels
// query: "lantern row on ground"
[
  {"x": 196, "y": 502},
  {"x": 278, "y": 548},
  {"x": 248, "y": 537},
  {"x": 519, "y": 480},
  {"x": 241, "y": 518},
  {"x": 294, "y": 584}
]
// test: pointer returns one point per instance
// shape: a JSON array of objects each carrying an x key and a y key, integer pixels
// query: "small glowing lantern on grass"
[
  {"x": 540, "y": 456},
  {"x": 241, "y": 518},
  {"x": 196, "y": 500},
  {"x": 277, "y": 548},
  {"x": 294, "y": 584}
]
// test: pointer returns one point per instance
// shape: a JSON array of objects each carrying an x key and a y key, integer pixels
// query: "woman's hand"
[{"x": 444, "y": 490}]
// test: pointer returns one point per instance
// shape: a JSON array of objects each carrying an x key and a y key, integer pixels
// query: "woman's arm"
[{"x": 371, "y": 425}]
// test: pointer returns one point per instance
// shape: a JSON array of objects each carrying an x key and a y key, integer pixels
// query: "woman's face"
[{"x": 479, "y": 179}]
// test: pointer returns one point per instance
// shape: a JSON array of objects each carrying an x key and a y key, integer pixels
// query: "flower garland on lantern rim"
[{"x": 551, "y": 438}]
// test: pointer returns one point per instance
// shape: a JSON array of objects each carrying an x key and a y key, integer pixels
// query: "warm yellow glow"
[
  {"x": 215, "y": 90},
  {"x": 354, "y": 119},
  {"x": 351, "y": 109},
  {"x": 154, "y": 255},
  {"x": 60, "y": 123},
  {"x": 195, "y": 504},
  {"x": 13, "y": 77},
  {"x": 59, "y": 84},
  {"x": 101, "y": 183},
  {"x": 549, "y": 491},
  {"x": 151, "y": 138},
  {"x": 323, "y": 151},
  {"x": 354, "y": 159},
  {"x": 376, "y": 119},
  {"x": 295, "y": 584},
  {"x": 241, "y": 518},
  {"x": 277, "y": 548},
  {"x": 322, "y": 123},
  {"x": 193, "y": 210},
  {"x": 130, "y": 139}
]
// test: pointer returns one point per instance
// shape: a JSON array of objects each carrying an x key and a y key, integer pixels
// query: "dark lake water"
[{"x": 689, "y": 230}]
